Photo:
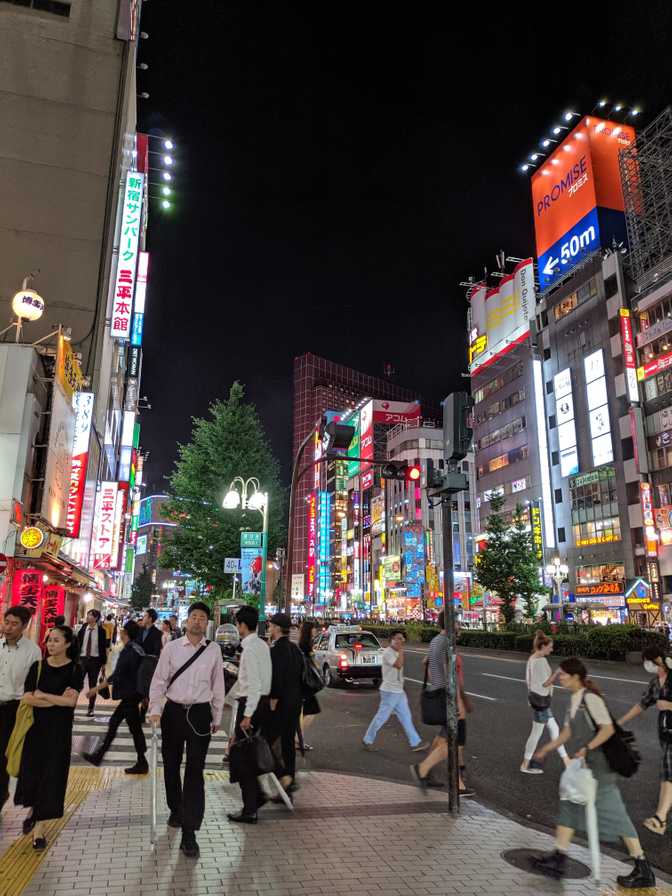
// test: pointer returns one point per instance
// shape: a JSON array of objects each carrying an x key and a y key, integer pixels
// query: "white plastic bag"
[{"x": 577, "y": 783}]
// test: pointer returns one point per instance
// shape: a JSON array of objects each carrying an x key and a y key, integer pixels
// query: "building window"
[
  {"x": 498, "y": 407},
  {"x": 503, "y": 460},
  {"x": 57, "y": 7},
  {"x": 504, "y": 432},
  {"x": 561, "y": 535},
  {"x": 606, "y": 572},
  {"x": 507, "y": 377},
  {"x": 610, "y": 286},
  {"x": 558, "y": 496}
]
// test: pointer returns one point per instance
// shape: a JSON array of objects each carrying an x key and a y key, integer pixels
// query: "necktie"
[{"x": 88, "y": 642}]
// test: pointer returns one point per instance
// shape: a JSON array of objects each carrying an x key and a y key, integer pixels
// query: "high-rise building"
[{"x": 321, "y": 385}]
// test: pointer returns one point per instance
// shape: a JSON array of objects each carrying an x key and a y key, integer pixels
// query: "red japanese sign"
[
  {"x": 27, "y": 588},
  {"x": 53, "y": 605},
  {"x": 657, "y": 366},
  {"x": 83, "y": 404},
  {"x": 104, "y": 526},
  {"x": 629, "y": 357}
]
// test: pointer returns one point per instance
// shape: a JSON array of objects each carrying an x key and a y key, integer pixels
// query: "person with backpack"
[
  {"x": 190, "y": 676},
  {"x": 540, "y": 678},
  {"x": 658, "y": 694},
  {"x": 587, "y": 730},
  {"x": 124, "y": 681}
]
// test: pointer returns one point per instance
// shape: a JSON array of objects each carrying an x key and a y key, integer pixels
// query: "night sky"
[{"x": 340, "y": 170}]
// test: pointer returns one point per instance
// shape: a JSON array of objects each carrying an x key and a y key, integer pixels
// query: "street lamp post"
[
  {"x": 246, "y": 494},
  {"x": 558, "y": 572}
]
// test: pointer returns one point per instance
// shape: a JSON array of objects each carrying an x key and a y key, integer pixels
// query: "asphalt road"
[{"x": 497, "y": 731}]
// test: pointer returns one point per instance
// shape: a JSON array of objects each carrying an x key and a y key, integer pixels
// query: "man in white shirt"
[
  {"x": 393, "y": 699},
  {"x": 17, "y": 655},
  {"x": 92, "y": 642},
  {"x": 254, "y": 686}
]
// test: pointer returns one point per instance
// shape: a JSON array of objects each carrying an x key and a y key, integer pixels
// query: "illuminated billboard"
[
  {"x": 500, "y": 317},
  {"x": 413, "y": 555},
  {"x": 129, "y": 237},
  {"x": 391, "y": 412},
  {"x": 577, "y": 197}
]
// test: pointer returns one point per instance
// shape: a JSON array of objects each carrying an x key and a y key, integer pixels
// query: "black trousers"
[
  {"x": 251, "y": 792},
  {"x": 92, "y": 666},
  {"x": 128, "y": 711},
  {"x": 177, "y": 730},
  {"x": 7, "y": 719},
  {"x": 289, "y": 725}
]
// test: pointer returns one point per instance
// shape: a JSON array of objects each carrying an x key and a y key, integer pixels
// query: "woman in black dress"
[
  {"x": 45, "y": 761},
  {"x": 310, "y": 705}
]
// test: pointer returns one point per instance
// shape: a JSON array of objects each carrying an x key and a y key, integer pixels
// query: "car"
[{"x": 345, "y": 654}]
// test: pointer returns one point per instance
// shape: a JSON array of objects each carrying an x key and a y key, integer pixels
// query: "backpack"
[
  {"x": 145, "y": 671},
  {"x": 620, "y": 750}
]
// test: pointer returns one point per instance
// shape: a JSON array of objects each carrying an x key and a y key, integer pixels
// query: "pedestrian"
[
  {"x": 658, "y": 694},
  {"x": 92, "y": 644},
  {"x": 540, "y": 678},
  {"x": 17, "y": 655},
  {"x": 393, "y": 699},
  {"x": 124, "y": 681},
  {"x": 286, "y": 697},
  {"x": 166, "y": 633},
  {"x": 189, "y": 675},
  {"x": 311, "y": 706},
  {"x": 51, "y": 688},
  {"x": 110, "y": 627},
  {"x": 588, "y": 725},
  {"x": 150, "y": 636},
  {"x": 175, "y": 627},
  {"x": 438, "y": 679},
  {"x": 254, "y": 686}
]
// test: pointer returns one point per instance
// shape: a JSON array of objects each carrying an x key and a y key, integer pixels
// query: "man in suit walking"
[
  {"x": 286, "y": 695},
  {"x": 150, "y": 636},
  {"x": 92, "y": 642}
]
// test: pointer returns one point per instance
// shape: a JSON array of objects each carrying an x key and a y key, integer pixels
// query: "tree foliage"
[
  {"x": 142, "y": 590},
  {"x": 507, "y": 565},
  {"x": 230, "y": 443}
]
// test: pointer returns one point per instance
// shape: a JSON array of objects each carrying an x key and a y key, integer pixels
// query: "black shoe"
[
  {"x": 417, "y": 777},
  {"x": 89, "y": 714},
  {"x": 293, "y": 787},
  {"x": 189, "y": 846},
  {"x": 641, "y": 876},
  {"x": 140, "y": 768},
  {"x": 175, "y": 821},
  {"x": 552, "y": 864},
  {"x": 39, "y": 843},
  {"x": 28, "y": 824},
  {"x": 242, "y": 818},
  {"x": 94, "y": 758}
]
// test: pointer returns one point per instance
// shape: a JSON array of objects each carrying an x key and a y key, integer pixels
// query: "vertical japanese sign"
[
  {"x": 629, "y": 359},
  {"x": 124, "y": 285},
  {"x": 535, "y": 525},
  {"x": 68, "y": 380},
  {"x": 103, "y": 530},
  {"x": 27, "y": 588},
  {"x": 83, "y": 405},
  {"x": 53, "y": 605},
  {"x": 312, "y": 542}
]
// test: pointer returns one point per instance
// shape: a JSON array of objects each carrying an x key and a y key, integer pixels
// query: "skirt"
[
  {"x": 666, "y": 764},
  {"x": 613, "y": 821}
]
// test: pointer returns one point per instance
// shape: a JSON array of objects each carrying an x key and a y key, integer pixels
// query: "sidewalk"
[{"x": 348, "y": 835}]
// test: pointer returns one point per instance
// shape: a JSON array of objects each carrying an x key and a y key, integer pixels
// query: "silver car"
[{"x": 345, "y": 653}]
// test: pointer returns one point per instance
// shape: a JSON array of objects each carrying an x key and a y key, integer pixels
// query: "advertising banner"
[
  {"x": 629, "y": 357},
  {"x": 577, "y": 197},
  {"x": 59, "y": 459},
  {"x": 392, "y": 412},
  {"x": 53, "y": 605},
  {"x": 251, "y": 564},
  {"x": 250, "y": 539},
  {"x": 297, "y": 586},
  {"x": 353, "y": 450},
  {"x": 68, "y": 372},
  {"x": 413, "y": 555},
  {"x": 124, "y": 284},
  {"x": 391, "y": 570},
  {"x": 535, "y": 525},
  {"x": 646, "y": 501},
  {"x": 366, "y": 437},
  {"x": 312, "y": 542},
  {"x": 27, "y": 589},
  {"x": 83, "y": 406},
  {"x": 103, "y": 526}
]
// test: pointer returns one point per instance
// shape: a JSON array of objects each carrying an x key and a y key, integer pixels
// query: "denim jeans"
[{"x": 392, "y": 703}]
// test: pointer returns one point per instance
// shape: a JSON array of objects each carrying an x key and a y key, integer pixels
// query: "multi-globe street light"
[
  {"x": 246, "y": 494},
  {"x": 558, "y": 572}
]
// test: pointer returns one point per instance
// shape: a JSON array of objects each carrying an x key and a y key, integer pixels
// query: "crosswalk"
[{"x": 87, "y": 733}]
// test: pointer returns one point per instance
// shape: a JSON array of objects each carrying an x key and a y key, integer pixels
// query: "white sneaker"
[{"x": 531, "y": 770}]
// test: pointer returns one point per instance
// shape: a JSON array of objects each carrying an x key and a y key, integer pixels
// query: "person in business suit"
[
  {"x": 151, "y": 642},
  {"x": 92, "y": 642},
  {"x": 286, "y": 695}
]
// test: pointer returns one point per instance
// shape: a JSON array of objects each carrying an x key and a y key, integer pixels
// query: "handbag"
[
  {"x": 22, "y": 725},
  {"x": 251, "y": 752},
  {"x": 665, "y": 726},
  {"x": 538, "y": 701},
  {"x": 433, "y": 704},
  {"x": 311, "y": 679},
  {"x": 620, "y": 750}
]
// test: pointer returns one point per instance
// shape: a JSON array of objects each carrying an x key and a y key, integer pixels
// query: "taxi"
[{"x": 345, "y": 654}]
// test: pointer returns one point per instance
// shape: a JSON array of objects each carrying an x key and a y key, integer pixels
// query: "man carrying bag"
[{"x": 190, "y": 675}]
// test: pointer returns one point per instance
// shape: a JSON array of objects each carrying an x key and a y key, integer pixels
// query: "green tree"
[
  {"x": 142, "y": 590},
  {"x": 507, "y": 565},
  {"x": 230, "y": 443}
]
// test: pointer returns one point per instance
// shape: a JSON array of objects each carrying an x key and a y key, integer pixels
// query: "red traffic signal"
[
  {"x": 413, "y": 474},
  {"x": 401, "y": 471}
]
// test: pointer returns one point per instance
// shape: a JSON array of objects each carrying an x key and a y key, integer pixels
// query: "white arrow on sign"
[
  {"x": 549, "y": 267},
  {"x": 232, "y": 564}
]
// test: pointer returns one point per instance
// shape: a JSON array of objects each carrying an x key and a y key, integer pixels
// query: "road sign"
[
  {"x": 232, "y": 564},
  {"x": 250, "y": 539}
]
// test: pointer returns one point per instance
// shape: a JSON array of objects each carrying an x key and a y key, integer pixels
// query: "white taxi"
[{"x": 345, "y": 653}]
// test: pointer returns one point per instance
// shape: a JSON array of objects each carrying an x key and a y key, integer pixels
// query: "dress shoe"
[
  {"x": 175, "y": 821},
  {"x": 94, "y": 758},
  {"x": 189, "y": 846},
  {"x": 140, "y": 768},
  {"x": 39, "y": 843},
  {"x": 28, "y": 824},
  {"x": 242, "y": 818}
]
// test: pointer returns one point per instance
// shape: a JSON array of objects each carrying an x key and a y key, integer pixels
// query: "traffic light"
[
  {"x": 457, "y": 433},
  {"x": 400, "y": 471}
]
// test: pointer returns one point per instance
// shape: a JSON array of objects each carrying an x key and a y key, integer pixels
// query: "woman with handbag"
[
  {"x": 658, "y": 694},
  {"x": 540, "y": 678},
  {"x": 52, "y": 688},
  {"x": 588, "y": 728},
  {"x": 310, "y": 706}
]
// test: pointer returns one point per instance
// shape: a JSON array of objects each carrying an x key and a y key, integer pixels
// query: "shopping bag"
[
  {"x": 14, "y": 751},
  {"x": 577, "y": 784}
]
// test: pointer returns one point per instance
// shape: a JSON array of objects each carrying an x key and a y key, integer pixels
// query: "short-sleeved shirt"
[
  {"x": 393, "y": 678},
  {"x": 657, "y": 691},
  {"x": 537, "y": 672},
  {"x": 436, "y": 660},
  {"x": 595, "y": 704}
]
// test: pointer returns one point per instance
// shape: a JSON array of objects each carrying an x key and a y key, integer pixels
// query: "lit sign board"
[
  {"x": 141, "y": 283},
  {"x": 391, "y": 412},
  {"x": 653, "y": 367},
  {"x": 312, "y": 542},
  {"x": 501, "y": 316},
  {"x": 104, "y": 525},
  {"x": 564, "y": 411},
  {"x": 598, "y": 539},
  {"x": 577, "y": 197},
  {"x": 141, "y": 545},
  {"x": 124, "y": 283},
  {"x": 646, "y": 501},
  {"x": 535, "y": 525},
  {"x": 629, "y": 358},
  {"x": 391, "y": 570},
  {"x": 598, "y": 409},
  {"x": 599, "y": 588},
  {"x": 83, "y": 404}
]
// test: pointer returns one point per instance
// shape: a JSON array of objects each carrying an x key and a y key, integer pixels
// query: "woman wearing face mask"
[
  {"x": 658, "y": 694},
  {"x": 540, "y": 678},
  {"x": 588, "y": 726},
  {"x": 51, "y": 688}
]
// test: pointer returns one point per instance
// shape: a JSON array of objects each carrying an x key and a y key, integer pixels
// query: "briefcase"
[{"x": 251, "y": 751}]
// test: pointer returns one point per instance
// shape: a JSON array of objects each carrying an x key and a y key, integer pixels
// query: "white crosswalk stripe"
[{"x": 88, "y": 732}]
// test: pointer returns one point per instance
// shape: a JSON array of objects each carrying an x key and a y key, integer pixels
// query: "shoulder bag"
[
  {"x": 620, "y": 750},
  {"x": 22, "y": 725},
  {"x": 538, "y": 702},
  {"x": 311, "y": 679},
  {"x": 432, "y": 704}
]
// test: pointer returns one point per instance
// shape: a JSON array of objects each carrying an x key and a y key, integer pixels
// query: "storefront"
[{"x": 601, "y": 602}]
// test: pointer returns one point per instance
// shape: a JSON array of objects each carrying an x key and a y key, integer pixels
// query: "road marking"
[
  {"x": 470, "y": 693},
  {"x": 628, "y": 680},
  {"x": 507, "y": 677}
]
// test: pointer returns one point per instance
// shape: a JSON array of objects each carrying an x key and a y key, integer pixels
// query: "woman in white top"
[
  {"x": 540, "y": 678},
  {"x": 166, "y": 633}
]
